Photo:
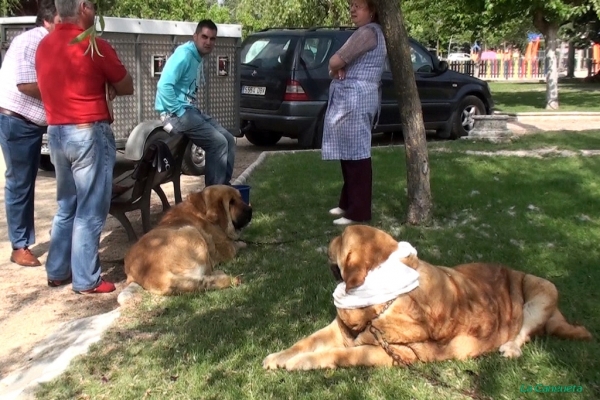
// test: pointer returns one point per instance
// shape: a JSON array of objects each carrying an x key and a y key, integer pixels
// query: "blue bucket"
[{"x": 244, "y": 191}]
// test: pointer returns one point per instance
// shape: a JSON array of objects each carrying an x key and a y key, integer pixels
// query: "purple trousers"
[{"x": 357, "y": 191}]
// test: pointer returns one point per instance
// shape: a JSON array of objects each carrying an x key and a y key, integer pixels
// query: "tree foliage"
[
  {"x": 256, "y": 15},
  {"x": 582, "y": 29},
  {"x": 176, "y": 10}
]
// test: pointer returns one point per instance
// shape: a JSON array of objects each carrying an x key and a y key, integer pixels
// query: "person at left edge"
[{"x": 22, "y": 124}]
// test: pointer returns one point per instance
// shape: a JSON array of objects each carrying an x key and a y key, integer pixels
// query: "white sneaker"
[
  {"x": 337, "y": 212},
  {"x": 343, "y": 221}
]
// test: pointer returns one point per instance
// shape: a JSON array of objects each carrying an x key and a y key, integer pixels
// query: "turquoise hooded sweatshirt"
[{"x": 178, "y": 83}]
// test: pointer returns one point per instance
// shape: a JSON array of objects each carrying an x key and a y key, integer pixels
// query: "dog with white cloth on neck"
[{"x": 394, "y": 308}]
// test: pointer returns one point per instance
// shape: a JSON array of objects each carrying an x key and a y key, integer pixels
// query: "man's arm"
[
  {"x": 114, "y": 70},
  {"x": 125, "y": 86},
  {"x": 173, "y": 71},
  {"x": 30, "y": 89},
  {"x": 26, "y": 75}
]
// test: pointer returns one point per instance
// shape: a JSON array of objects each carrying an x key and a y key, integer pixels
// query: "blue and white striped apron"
[{"x": 353, "y": 104}]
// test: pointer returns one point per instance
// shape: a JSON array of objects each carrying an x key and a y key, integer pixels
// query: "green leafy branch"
[{"x": 91, "y": 33}]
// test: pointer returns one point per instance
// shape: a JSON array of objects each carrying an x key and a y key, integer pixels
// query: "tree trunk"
[
  {"x": 550, "y": 32},
  {"x": 411, "y": 114},
  {"x": 571, "y": 61}
]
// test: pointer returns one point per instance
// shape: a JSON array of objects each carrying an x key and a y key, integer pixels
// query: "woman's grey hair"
[{"x": 68, "y": 8}]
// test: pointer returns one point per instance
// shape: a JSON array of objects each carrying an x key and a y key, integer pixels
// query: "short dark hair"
[
  {"x": 206, "y": 23},
  {"x": 46, "y": 12}
]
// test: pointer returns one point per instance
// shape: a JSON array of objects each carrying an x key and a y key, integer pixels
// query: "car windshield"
[{"x": 269, "y": 52}]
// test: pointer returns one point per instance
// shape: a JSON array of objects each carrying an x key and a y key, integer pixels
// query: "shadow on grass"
[{"x": 539, "y": 216}]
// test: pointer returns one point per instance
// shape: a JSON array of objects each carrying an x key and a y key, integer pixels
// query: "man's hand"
[{"x": 112, "y": 92}]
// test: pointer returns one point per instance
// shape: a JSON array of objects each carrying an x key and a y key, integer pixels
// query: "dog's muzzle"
[
  {"x": 244, "y": 218},
  {"x": 337, "y": 273}
]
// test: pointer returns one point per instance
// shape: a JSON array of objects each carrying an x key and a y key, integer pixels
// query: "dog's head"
[
  {"x": 222, "y": 205},
  {"x": 358, "y": 250}
]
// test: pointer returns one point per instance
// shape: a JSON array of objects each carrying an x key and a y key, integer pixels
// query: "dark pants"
[
  {"x": 21, "y": 143},
  {"x": 357, "y": 191}
]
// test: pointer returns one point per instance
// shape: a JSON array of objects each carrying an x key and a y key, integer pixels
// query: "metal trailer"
[{"x": 143, "y": 46}]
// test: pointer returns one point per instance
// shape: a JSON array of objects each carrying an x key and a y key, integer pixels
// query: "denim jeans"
[
  {"x": 84, "y": 159},
  {"x": 21, "y": 143},
  {"x": 218, "y": 144}
]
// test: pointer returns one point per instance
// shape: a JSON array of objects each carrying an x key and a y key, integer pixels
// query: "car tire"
[
  {"x": 46, "y": 164},
  {"x": 193, "y": 160},
  {"x": 262, "y": 138},
  {"x": 463, "y": 117}
]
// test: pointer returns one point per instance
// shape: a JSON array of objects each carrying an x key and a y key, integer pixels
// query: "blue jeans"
[
  {"x": 21, "y": 143},
  {"x": 84, "y": 159},
  {"x": 218, "y": 144}
]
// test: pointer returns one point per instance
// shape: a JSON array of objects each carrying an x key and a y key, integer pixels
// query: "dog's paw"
[
  {"x": 240, "y": 244},
  {"x": 510, "y": 350},
  {"x": 275, "y": 360},
  {"x": 236, "y": 281}
]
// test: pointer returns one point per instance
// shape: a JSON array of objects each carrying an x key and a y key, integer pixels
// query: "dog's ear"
[
  {"x": 217, "y": 210},
  {"x": 333, "y": 251},
  {"x": 354, "y": 270}
]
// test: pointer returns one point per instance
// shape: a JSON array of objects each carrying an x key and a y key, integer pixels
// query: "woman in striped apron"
[{"x": 354, "y": 102}]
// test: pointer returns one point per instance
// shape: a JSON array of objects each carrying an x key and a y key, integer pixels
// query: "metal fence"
[{"x": 516, "y": 68}]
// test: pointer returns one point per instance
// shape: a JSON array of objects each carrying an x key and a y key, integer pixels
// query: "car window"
[
  {"x": 421, "y": 61},
  {"x": 315, "y": 51},
  {"x": 272, "y": 53}
]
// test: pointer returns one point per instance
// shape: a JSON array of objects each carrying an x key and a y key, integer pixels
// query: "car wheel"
[
  {"x": 193, "y": 160},
  {"x": 463, "y": 119},
  {"x": 262, "y": 138},
  {"x": 46, "y": 164}
]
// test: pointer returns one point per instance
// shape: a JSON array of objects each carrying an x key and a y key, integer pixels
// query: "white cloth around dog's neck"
[{"x": 386, "y": 282}]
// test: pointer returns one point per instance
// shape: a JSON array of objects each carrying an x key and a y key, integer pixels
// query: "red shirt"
[{"x": 73, "y": 84}]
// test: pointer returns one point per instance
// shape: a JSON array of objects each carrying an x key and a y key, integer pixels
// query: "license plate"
[
  {"x": 254, "y": 90},
  {"x": 45, "y": 149}
]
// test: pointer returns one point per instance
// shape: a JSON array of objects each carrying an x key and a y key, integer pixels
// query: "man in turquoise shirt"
[{"x": 177, "y": 104}]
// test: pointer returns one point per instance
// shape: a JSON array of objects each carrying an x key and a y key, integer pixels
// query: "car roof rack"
[
  {"x": 339, "y": 28},
  {"x": 283, "y": 28},
  {"x": 313, "y": 28}
]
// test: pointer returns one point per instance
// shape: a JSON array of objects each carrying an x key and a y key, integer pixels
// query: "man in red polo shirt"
[{"x": 82, "y": 146}]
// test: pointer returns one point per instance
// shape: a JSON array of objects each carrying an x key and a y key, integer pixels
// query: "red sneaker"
[{"x": 103, "y": 287}]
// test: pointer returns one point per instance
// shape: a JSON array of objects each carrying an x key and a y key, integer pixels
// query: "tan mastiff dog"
[
  {"x": 179, "y": 255},
  {"x": 393, "y": 308}
]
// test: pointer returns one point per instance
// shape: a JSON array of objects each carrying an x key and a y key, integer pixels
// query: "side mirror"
[{"x": 442, "y": 66}]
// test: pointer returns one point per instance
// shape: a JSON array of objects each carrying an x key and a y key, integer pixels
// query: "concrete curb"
[
  {"x": 243, "y": 177},
  {"x": 53, "y": 354},
  {"x": 553, "y": 114}
]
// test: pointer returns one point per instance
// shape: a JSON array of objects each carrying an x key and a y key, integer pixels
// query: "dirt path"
[{"x": 30, "y": 310}]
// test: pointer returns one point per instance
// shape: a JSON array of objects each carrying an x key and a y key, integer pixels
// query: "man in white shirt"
[{"x": 22, "y": 124}]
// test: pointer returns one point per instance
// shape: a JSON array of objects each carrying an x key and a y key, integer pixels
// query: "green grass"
[
  {"x": 538, "y": 215},
  {"x": 531, "y": 97}
]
